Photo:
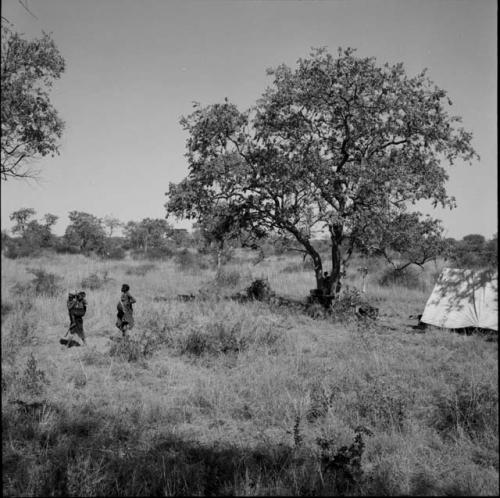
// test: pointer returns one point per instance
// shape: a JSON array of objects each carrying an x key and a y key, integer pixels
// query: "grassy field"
[{"x": 217, "y": 397}]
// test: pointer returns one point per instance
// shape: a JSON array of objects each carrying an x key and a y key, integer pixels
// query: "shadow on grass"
[{"x": 49, "y": 452}]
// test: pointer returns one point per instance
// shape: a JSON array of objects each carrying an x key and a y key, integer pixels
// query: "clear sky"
[{"x": 135, "y": 67}]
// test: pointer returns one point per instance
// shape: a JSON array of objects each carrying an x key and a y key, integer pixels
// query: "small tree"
[
  {"x": 334, "y": 146},
  {"x": 111, "y": 223},
  {"x": 21, "y": 218},
  {"x": 30, "y": 124}
]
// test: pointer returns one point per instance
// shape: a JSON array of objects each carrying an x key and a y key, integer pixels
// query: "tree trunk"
[{"x": 334, "y": 282}]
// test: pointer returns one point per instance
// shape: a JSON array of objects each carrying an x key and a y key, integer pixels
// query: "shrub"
[
  {"x": 141, "y": 270},
  {"x": 64, "y": 248},
  {"x": 344, "y": 307},
  {"x": 116, "y": 252},
  {"x": 342, "y": 467},
  {"x": 93, "y": 281},
  {"x": 260, "y": 290},
  {"x": 143, "y": 344},
  {"x": 45, "y": 283},
  {"x": 33, "y": 380},
  {"x": 409, "y": 278}
]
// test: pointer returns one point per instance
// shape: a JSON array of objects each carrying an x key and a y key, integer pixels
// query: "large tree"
[
  {"x": 338, "y": 145},
  {"x": 31, "y": 125}
]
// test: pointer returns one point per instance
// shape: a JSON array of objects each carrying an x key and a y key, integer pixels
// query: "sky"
[{"x": 135, "y": 67}]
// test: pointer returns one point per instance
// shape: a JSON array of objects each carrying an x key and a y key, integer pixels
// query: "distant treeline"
[{"x": 154, "y": 238}]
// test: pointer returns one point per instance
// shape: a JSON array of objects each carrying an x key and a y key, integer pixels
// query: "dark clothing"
[
  {"x": 125, "y": 315},
  {"x": 77, "y": 308}
]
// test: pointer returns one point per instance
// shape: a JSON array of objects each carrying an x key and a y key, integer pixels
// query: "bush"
[
  {"x": 20, "y": 249},
  {"x": 34, "y": 379},
  {"x": 93, "y": 281},
  {"x": 44, "y": 283},
  {"x": 345, "y": 306},
  {"x": 409, "y": 278},
  {"x": 64, "y": 248},
  {"x": 259, "y": 289},
  {"x": 115, "y": 252}
]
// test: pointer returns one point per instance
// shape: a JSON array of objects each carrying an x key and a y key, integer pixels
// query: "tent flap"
[{"x": 463, "y": 298}]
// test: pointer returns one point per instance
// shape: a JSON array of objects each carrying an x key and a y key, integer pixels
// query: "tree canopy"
[
  {"x": 31, "y": 125},
  {"x": 85, "y": 232},
  {"x": 337, "y": 145}
]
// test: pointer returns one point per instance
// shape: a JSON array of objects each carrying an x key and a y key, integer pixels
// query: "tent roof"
[{"x": 463, "y": 298}]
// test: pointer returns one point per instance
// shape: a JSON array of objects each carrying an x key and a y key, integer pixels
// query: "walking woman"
[
  {"x": 125, "y": 315},
  {"x": 77, "y": 307}
]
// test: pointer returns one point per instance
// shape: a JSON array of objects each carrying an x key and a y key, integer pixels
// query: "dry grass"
[{"x": 218, "y": 397}]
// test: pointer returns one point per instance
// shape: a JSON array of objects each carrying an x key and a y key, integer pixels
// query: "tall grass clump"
[
  {"x": 94, "y": 281},
  {"x": 43, "y": 283}
]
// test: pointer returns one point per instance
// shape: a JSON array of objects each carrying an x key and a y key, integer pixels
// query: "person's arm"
[{"x": 131, "y": 299}]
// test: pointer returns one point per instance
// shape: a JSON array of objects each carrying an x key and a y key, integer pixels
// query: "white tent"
[{"x": 463, "y": 298}]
